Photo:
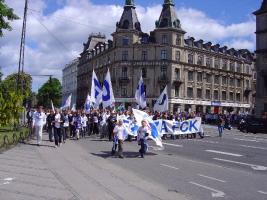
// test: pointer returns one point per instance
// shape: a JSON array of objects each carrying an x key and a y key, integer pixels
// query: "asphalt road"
[{"x": 233, "y": 167}]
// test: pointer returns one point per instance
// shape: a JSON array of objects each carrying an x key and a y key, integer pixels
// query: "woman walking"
[
  {"x": 119, "y": 136},
  {"x": 142, "y": 134}
]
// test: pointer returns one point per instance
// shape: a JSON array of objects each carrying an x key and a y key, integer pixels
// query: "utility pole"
[{"x": 22, "y": 46}]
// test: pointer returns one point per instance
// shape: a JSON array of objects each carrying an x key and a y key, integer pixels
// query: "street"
[{"x": 232, "y": 167}]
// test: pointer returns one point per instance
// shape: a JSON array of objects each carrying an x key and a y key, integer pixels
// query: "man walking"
[{"x": 39, "y": 120}]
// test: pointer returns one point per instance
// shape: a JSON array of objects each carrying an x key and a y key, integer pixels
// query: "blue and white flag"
[
  {"x": 73, "y": 108},
  {"x": 140, "y": 94},
  {"x": 96, "y": 91},
  {"x": 154, "y": 133},
  {"x": 87, "y": 104},
  {"x": 108, "y": 99},
  {"x": 52, "y": 106},
  {"x": 67, "y": 102},
  {"x": 162, "y": 103}
]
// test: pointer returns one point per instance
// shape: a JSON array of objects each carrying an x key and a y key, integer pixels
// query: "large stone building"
[
  {"x": 261, "y": 61},
  {"x": 201, "y": 76},
  {"x": 69, "y": 81}
]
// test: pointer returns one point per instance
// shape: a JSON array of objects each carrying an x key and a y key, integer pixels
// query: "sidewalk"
[{"x": 69, "y": 173}]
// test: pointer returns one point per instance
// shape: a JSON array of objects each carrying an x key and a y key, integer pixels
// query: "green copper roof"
[
  {"x": 129, "y": 2},
  {"x": 169, "y": 2}
]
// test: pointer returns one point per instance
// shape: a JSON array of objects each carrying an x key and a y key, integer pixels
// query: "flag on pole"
[
  {"x": 67, "y": 102},
  {"x": 52, "y": 106},
  {"x": 73, "y": 107},
  {"x": 140, "y": 94},
  {"x": 96, "y": 91},
  {"x": 108, "y": 99},
  {"x": 154, "y": 133},
  {"x": 162, "y": 103},
  {"x": 87, "y": 104}
]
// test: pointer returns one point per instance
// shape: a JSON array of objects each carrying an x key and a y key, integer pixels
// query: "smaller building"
[{"x": 69, "y": 81}]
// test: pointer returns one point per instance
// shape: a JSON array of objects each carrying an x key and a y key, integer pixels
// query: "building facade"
[
  {"x": 261, "y": 61},
  {"x": 200, "y": 76},
  {"x": 69, "y": 81}
]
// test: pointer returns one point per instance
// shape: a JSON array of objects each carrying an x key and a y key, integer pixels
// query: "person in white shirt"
[
  {"x": 142, "y": 134},
  {"x": 39, "y": 120},
  {"x": 57, "y": 129},
  {"x": 84, "y": 124},
  {"x": 119, "y": 134}
]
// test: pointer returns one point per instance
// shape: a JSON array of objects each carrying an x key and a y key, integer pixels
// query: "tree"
[
  {"x": 6, "y": 15},
  {"x": 51, "y": 90}
]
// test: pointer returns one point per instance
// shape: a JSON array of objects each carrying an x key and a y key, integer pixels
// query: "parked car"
[{"x": 253, "y": 125}]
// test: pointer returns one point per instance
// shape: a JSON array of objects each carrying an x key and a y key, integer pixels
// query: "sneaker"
[{"x": 55, "y": 146}]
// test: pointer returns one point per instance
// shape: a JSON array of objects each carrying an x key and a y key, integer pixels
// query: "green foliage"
[
  {"x": 6, "y": 15},
  {"x": 51, "y": 90},
  {"x": 10, "y": 107}
]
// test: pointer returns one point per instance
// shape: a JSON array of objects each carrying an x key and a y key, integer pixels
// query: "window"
[
  {"x": 108, "y": 59},
  {"x": 177, "y": 74},
  {"x": 163, "y": 70},
  {"x": 238, "y": 82},
  {"x": 190, "y": 92},
  {"x": 231, "y": 96},
  {"x": 247, "y": 84},
  {"x": 232, "y": 66},
  {"x": 224, "y": 67},
  {"x": 208, "y": 62},
  {"x": 224, "y": 80},
  {"x": 207, "y": 94},
  {"x": 200, "y": 60},
  {"x": 216, "y": 79},
  {"x": 124, "y": 72},
  {"x": 232, "y": 82},
  {"x": 123, "y": 91},
  {"x": 190, "y": 58},
  {"x": 216, "y": 95},
  {"x": 162, "y": 87},
  {"x": 144, "y": 55},
  {"x": 199, "y": 93},
  {"x": 238, "y": 68},
  {"x": 176, "y": 91},
  {"x": 238, "y": 97},
  {"x": 178, "y": 40},
  {"x": 125, "y": 55},
  {"x": 217, "y": 63},
  {"x": 163, "y": 55},
  {"x": 247, "y": 69},
  {"x": 144, "y": 72},
  {"x": 224, "y": 95},
  {"x": 164, "y": 39},
  {"x": 125, "y": 41},
  {"x": 199, "y": 77},
  {"x": 190, "y": 76},
  {"x": 208, "y": 78},
  {"x": 177, "y": 56}
]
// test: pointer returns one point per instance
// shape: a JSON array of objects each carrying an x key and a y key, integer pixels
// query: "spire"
[
  {"x": 129, "y": 20},
  {"x": 168, "y": 17},
  {"x": 129, "y": 2},
  {"x": 263, "y": 8}
]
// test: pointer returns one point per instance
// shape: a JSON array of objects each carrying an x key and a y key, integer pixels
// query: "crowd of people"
[{"x": 67, "y": 124}]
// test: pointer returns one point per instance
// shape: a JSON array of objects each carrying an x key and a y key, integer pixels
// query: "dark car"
[{"x": 253, "y": 125}]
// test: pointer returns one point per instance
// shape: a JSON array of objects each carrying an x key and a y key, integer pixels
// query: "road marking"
[
  {"x": 262, "y": 192},
  {"x": 212, "y": 178},
  {"x": 247, "y": 140},
  {"x": 254, "y": 147},
  {"x": 224, "y": 153},
  {"x": 169, "y": 166},
  {"x": 175, "y": 145},
  {"x": 255, "y": 167},
  {"x": 215, "y": 193}
]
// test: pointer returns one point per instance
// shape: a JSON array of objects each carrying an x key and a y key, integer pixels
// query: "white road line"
[
  {"x": 254, "y": 147},
  {"x": 224, "y": 153},
  {"x": 255, "y": 167},
  {"x": 247, "y": 140},
  {"x": 164, "y": 165},
  {"x": 262, "y": 192},
  {"x": 212, "y": 178},
  {"x": 174, "y": 145},
  {"x": 215, "y": 193}
]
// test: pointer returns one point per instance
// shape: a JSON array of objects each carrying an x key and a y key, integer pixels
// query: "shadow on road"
[{"x": 126, "y": 154}]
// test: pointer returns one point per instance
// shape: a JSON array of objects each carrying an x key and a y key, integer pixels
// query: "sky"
[{"x": 57, "y": 29}]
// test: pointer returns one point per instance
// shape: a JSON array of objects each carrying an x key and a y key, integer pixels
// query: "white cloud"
[{"x": 76, "y": 19}]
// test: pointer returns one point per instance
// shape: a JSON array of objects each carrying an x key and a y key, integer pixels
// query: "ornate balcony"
[
  {"x": 163, "y": 79},
  {"x": 177, "y": 81},
  {"x": 247, "y": 90}
]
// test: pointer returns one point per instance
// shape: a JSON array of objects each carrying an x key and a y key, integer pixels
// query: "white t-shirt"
[
  {"x": 95, "y": 119},
  {"x": 84, "y": 121},
  {"x": 39, "y": 119},
  {"x": 120, "y": 132},
  {"x": 57, "y": 120},
  {"x": 141, "y": 133}
]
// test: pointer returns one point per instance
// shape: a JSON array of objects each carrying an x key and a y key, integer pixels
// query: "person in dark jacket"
[{"x": 50, "y": 128}]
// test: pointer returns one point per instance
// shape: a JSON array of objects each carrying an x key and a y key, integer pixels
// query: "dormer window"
[
  {"x": 164, "y": 39},
  {"x": 125, "y": 41},
  {"x": 178, "y": 40},
  {"x": 125, "y": 24}
]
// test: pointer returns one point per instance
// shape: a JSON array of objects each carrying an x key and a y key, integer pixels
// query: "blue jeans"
[{"x": 220, "y": 129}]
